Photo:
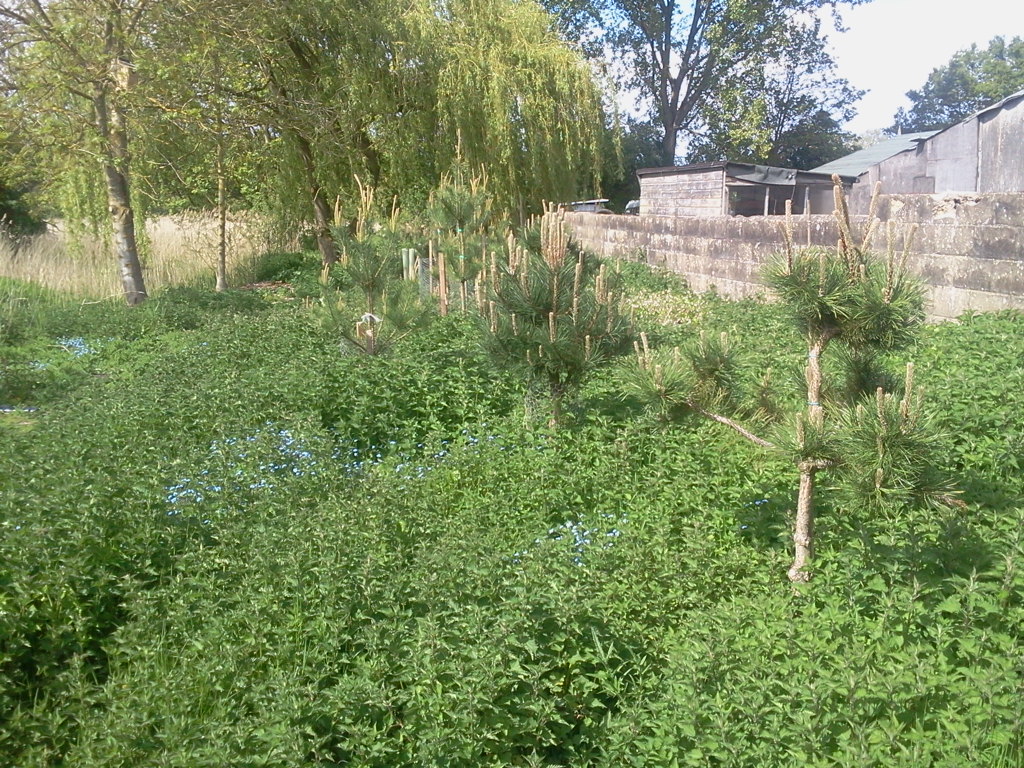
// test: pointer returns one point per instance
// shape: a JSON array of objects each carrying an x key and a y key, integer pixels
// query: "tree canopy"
[
  {"x": 69, "y": 72},
  {"x": 190, "y": 101},
  {"x": 973, "y": 79},
  {"x": 787, "y": 113},
  {"x": 714, "y": 70}
]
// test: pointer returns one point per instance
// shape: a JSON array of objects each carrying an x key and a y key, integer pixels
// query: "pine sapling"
[
  {"x": 550, "y": 313},
  {"x": 835, "y": 296}
]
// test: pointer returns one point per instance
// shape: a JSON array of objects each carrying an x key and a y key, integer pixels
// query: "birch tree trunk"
[
  {"x": 222, "y": 205},
  {"x": 111, "y": 126}
]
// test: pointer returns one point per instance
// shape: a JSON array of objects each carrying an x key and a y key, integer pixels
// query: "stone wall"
[{"x": 969, "y": 249}]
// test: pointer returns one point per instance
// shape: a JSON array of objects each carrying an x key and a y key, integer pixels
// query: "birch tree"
[{"x": 69, "y": 69}]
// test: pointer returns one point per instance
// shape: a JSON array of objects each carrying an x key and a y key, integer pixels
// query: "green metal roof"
[{"x": 858, "y": 162}]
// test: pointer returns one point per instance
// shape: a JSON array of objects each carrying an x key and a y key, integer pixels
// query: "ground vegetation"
[{"x": 325, "y": 557}]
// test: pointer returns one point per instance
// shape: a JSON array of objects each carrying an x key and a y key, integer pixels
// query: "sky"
[{"x": 891, "y": 46}]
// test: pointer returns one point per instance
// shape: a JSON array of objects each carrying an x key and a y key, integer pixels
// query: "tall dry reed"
[{"x": 180, "y": 250}]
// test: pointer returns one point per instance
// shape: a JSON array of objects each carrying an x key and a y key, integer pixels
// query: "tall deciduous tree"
[
  {"x": 69, "y": 69},
  {"x": 973, "y": 79},
  {"x": 528, "y": 113},
  {"x": 392, "y": 92},
  {"x": 786, "y": 112},
  {"x": 201, "y": 142},
  {"x": 680, "y": 53}
]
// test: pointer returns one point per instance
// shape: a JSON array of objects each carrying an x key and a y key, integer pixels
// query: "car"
[
  {"x": 632, "y": 208},
  {"x": 588, "y": 206}
]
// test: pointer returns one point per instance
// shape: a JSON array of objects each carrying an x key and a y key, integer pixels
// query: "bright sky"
[{"x": 891, "y": 46}]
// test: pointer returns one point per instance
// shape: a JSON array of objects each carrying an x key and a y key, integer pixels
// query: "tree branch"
[{"x": 731, "y": 424}]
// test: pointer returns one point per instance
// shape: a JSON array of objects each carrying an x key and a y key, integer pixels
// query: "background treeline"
[
  {"x": 111, "y": 112},
  {"x": 115, "y": 110},
  {"x": 135, "y": 107}
]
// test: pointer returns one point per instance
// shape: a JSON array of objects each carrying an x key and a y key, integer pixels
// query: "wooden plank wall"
[{"x": 700, "y": 193}]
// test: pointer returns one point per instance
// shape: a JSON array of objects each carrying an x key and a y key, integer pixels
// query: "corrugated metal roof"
[
  {"x": 758, "y": 174},
  {"x": 998, "y": 105},
  {"x": 858, "y": 162}
]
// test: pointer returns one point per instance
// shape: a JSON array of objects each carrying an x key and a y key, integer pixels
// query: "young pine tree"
[
  {"x": 843, "y": 299},
  {"x": 550, "y": 314},
  {"x": 364, "y": 299},
  {"x": 460, "y": 208}
]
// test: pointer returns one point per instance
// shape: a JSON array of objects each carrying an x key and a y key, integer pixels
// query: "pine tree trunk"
[
  {"x": 557, "y": 394},
  {"x": 111, "y": 125},
  {"x": 803, "y": 532}
]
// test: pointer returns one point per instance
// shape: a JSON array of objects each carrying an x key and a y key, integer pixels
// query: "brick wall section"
[{"x": 969, "y": 249}]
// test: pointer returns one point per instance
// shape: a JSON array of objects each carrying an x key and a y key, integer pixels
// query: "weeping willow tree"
[
  {"x": 328, "y": 74},
  {"x": 525, "y": 105},
  {"x": 396, "y": 92}
]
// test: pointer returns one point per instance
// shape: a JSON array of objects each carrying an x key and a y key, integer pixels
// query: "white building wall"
[
  {"x": 1001, "y": 161},
  {"x": 983, "y": 154},
  {"x": 952, "y": 160}
]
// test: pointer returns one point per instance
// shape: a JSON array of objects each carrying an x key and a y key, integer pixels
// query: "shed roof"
[
  {"x": 1013, "y": 97},
  {"x": 749, "y": 172},
  {"x": 858, "y": 162}
]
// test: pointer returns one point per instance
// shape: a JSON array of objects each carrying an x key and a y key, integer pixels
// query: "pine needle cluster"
[
  {"x": 859, "y": 424},
  {"x": 890, "y": 447},
  {"x": 370, "y": 265},
  {"x": 550, "y": 312},
  {"x": 461, "y": 213},
  {"x": 847, "y": 293},
  {"x": 697, "y": 377}
]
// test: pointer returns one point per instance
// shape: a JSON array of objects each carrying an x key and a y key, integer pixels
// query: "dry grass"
[{"x": 181, "y": 250}]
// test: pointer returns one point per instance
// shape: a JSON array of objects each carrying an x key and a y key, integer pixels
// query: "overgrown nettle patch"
[
  {"x": 263, "y": 460},
  {"x": 77, "y": 346},
  {"x": 581, "y": 535},
  {"x": 271, "y": 456}
]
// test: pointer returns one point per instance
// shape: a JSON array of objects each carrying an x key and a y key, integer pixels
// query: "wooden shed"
[{"x": 732, "y": 189}]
